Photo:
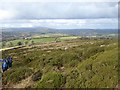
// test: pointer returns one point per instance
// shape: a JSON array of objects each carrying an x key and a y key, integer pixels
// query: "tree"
[
  {"x": 19, "y": 43},
  {"x": 10, "y": 44},
  {"x": 3, "y": 44},
  {"x": 32, "y": 42},
  {"x": 26, "y": 42}
]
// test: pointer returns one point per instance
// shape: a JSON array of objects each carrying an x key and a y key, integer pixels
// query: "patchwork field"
[{"x": 35, "y": 40}]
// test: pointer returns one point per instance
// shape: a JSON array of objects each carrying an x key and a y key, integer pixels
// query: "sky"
[{"x": 59, "y": 14}]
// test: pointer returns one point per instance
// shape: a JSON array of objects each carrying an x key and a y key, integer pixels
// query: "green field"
[
  {"x": 37, "y": 40},
  {"x": 68, "y": 37}
]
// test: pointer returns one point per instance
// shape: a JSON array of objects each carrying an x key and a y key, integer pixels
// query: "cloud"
[
  {"x": 59, "y": 0},
  {"x": 63, "y": 23},
  {"x": 62, "y": 10},
  {"x": 5, "y": 14},
  {"x": 64, "y": 15}
]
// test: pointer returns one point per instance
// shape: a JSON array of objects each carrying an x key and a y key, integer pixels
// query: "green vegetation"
[
  {"x": 51, "y": 79},
  {"x": 35, "y": 40},
  {"x": 15, "y": 75},
  {"x": 19, "y": 43},
  {"x": 83, "y": 63},
  {"x": 37, "y": 75},
  {"x": 68, "y": 37}
]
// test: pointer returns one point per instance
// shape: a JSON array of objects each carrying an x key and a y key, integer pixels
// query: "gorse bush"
[
  {"x": 92, "y": 51},
  {"x": 16, "y": 75},
  {"x": 52, "y": 79}
]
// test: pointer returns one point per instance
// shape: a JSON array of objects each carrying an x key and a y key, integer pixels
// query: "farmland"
[{"x": 36, "y": 40}]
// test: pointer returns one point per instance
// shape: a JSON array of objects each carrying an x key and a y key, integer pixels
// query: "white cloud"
[
  {"x": 63, "y": 23},
  {"x": 53, "y": 10},
  {"x": 5, "y": 14},
  {"x": 59, "y": 15},
  {"x": 59, "y": 0}
]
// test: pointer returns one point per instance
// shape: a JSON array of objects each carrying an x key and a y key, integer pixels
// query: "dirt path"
[
  {"x": 24, "y": 83},
  {"x": 3, "y": 49}
]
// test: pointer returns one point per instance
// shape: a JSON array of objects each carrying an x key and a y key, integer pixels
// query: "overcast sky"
[{"x": 72, "y": 14}]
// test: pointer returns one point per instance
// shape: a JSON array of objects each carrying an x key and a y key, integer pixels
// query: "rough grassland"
[{"x": 76, "y": 63}]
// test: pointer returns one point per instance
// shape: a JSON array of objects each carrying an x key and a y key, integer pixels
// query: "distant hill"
[
  {"x": 65, "y": 31},
  {"x": 11, "y": 33}
]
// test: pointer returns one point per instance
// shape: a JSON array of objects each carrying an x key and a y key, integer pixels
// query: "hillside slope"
[{"x": 75, "y": 63}]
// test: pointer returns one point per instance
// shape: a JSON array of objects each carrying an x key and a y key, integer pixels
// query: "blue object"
[
  {"x": 1, "y": 60},
  {"x": 9, "y": 62},
  {"x": 4, "y": 65}
]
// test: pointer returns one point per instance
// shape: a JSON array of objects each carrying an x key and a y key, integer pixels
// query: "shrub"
[
  {"x": 37, "y": 76},
  {"x": 19, "y": 43},
  {"x": 89, "y": 67},
  {"x": 74, "y": 74},
  {"x": 92, "y": 51},
  {"x": 28, "y": 60},
  {"x": 73, "y": 63},
  {"x": 17, "y": 75},
  {"x": 51, "y": 80}
]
